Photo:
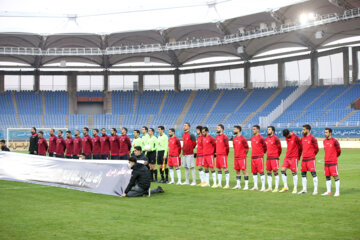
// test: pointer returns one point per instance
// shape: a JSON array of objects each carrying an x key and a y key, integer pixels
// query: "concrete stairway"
[
  {"x": 90, "y": 120},
  {"x": 16, "y": 109},
  {"x": 277, "y": 92},
  {"x": 43, "y": 102},
  {"x": 238, "y": 107},
  {"x": 163, "y": 102},
  {"x": 67, "y": 120},
  {"x": 108, "y": 102},
  {"x": 185, "y": 109},
  {"x": 347, "y": 116},
  {"x": 135, "y": 102},
  {"x": 304, "y": 111},
  {"x": 149, "y": 119},
  {"x": 212, "y": 107},
  {"x": 121, "y": 120}
]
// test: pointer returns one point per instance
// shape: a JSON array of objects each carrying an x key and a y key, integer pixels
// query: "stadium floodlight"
[
  {"x": 306, "y": 18},
  {"x": 319, "y": 34},
  {"x": 240, "y": 50}
]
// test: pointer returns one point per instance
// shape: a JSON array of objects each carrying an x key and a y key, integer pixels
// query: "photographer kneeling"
[{"x": 140, "y": 180}]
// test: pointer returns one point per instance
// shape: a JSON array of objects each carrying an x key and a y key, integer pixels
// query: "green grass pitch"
[{"x": 31, "y": 211}]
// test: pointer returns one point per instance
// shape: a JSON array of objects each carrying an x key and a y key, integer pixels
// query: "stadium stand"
[{"x": 320, "y": 106}]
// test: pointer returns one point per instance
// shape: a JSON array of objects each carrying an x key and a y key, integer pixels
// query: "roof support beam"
[
  {"x": 38, "y": 58},
  {"x": 244, "y": 56},
  {"x": 343, "y": 4}
]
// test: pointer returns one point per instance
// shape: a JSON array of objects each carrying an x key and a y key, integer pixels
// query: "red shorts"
[
  {"x": 240, "y": 163},
  {"x": 272, "y": 164},
  {"x": 291, "y": 163},
  {"x": 221, "y": 161},
  {"x": 308, "y": 166},
  {"x": 174, "y": 162},
  {"x": 199, "y": 160},
  {"x": 257, "y": 165},
  {"x": 209, "y": 161},
  {"x": 331, "y": 170}
]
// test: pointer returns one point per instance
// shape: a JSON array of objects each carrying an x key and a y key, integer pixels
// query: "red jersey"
[
  {"x": 69, "y": 146},
  {"x": 125, "y": 145},
  {"x": 174, "y": 146},
  {"x": 199, "y": 142},
  {"x": 294, "y": 148},
  {"x": 105, "y": 144},
  {"x": 209, "y": 145},
  {"x": 42, "y": 146},
  {"x": 241, "y": 147},
  {"x": 222, "y": 144},
  {"x": 273, "y": 146},
  {"x": 60, "y": 146},
  {"x": 309, "y": 147},
  {"x": 189, "y": 143},
  {"x": 77, "y": 145},
  {"x": 96, "y": 145},
  {"x": 86, "y": 145},
  {"x": 114, "y": 145},
  {"x": 52, "y": 143},
  {"x": 258, "y": 146},
  {"x": 332, "y": 150}
]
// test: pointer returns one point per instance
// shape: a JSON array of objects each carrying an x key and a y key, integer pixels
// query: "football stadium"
[{"x": 193, "y": 119}]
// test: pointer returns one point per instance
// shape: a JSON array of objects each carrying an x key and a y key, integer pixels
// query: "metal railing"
[{"x": 187, "y": 44}]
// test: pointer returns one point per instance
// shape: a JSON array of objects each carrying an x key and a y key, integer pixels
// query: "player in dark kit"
[
  {"x": 114, "y": 144},
  {"x": 69, "y": 145},
  {"x": 60, "y": 145},
  {"x": 77, "y": 145},
  {"x": 96, "y": 144},
  {"x": 86, "y": 143},
  {"x": 105, "y": 145},
  {"x": 42, "y": 144},
  {"x": 52, "y": 143},
  {"x": 34, "y": 138},
  {"x": 272, "y": 161}
]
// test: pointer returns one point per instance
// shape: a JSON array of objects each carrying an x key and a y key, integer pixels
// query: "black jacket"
[
  {"x": 140, "y": 176},
  {"x": 142, "y": 157},
  {"x": 33, "y": 143},
  {"x": 5, "y": 149}
]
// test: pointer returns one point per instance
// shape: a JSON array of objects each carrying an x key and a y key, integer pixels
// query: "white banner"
[{"x": 109, "y": 177}]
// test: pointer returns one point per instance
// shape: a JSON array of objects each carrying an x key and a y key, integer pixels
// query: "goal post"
[{"x": 22, "y": 135}]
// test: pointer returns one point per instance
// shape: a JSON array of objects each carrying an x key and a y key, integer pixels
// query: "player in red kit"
[
  {"x": 60, "y": 145},
  {"x": 258, "y": 146},
  {"x": 77, "y": 145},
  {"x": 332, "y": 152},
  {"x": 293, "y": 153},
  {"x": 209, "y": 148},
  {"x": 273, "y": 146},
  {"x": 86, "y": 143},
  {"x": 69, "y": 145},
  {"x": 125, "y": 145},
  {"x": 222, "y": 152},
  {"x": 114, "y": 144},
  {"x": 309, "y": 150},
  {"x": 189, "y": 143},
  {"x": 200, "y": 155},
  {"x": 42, "y": 144},
  {"x": 52, "y": 143},
  {"x": 174, "y": 159},
  {"x": 105, "y": 145},
  {"x": 96, "y": 144},
  {"x": 241, "y": 149}
]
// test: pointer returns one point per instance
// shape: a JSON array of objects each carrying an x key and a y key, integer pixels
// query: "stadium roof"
[{"x": 307, "y": 38}]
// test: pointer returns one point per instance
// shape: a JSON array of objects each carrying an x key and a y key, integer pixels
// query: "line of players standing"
[{"x": 165, "y": 152}]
